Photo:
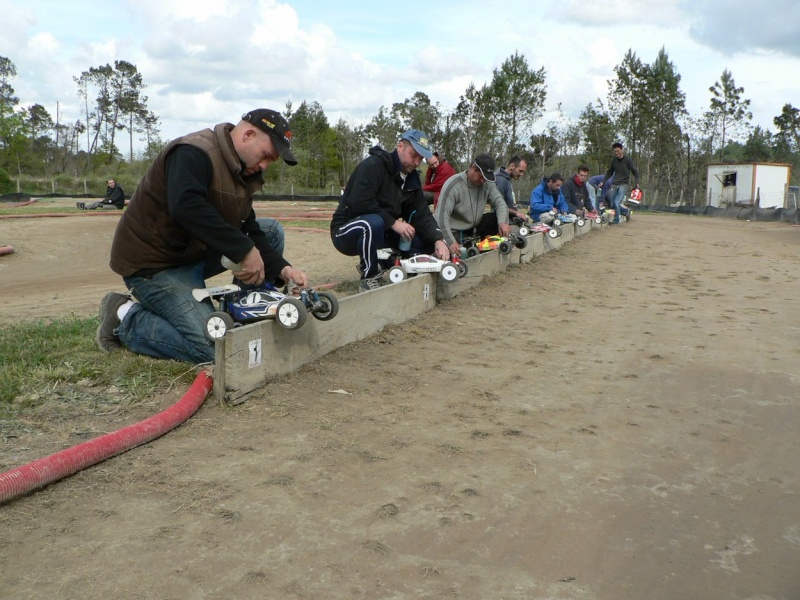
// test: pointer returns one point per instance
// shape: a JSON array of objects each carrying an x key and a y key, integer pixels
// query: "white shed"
[{"x": 741, "y": 183}]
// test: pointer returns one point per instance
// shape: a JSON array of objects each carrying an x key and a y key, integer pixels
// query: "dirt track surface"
[
  {"x": 62, "y": 262},
  {"x": 616, "y": 420}
]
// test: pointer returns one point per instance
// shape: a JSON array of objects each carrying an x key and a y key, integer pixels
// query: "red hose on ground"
[{"x": 46, "y": 470}]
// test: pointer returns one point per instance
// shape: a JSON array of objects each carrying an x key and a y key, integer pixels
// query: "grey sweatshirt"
[{"x": 461, "y": 205}]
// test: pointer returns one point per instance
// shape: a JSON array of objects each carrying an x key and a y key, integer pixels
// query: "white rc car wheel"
[
  {"x": 524, "y": 230},
  {"x": 580, "y": 222},
  {"x": 449, "y": 272},
  {"x": 557, "y": 222},
  {"x": 552, "y": 233},
  {"x": 291, "y": 313},
  {"x": 396, "y": 274},
  {"x": 217, "y": 325}
]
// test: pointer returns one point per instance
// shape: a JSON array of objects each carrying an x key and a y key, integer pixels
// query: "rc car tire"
[
  {"x": 552, "y": 233},
  {"x": 217, "y": 325},
  {"x": 462, "y": 267},
  {"x": 449, "y": 272},
  {"x": 396, "y": 274},
  {"x": 504, "y": 247},
  {"x": 520, "y": 242},
  {"x": 291, "y": 313},
  {"x": 598, "y": 220},
  {"x": 523, "y": 231},
  {"x": 557, "y": 222},
  {"x": 472, "y": 251},
  {"x": 331, "y": 304},
  {"x": 580, "y": 222}
]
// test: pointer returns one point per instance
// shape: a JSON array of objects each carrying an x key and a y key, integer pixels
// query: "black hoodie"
[{"x": 376, "y": 187}]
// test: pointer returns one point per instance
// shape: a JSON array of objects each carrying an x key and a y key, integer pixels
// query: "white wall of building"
[{"x": 765, "y": 180}]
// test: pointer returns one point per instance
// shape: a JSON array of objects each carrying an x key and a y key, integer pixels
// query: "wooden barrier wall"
[{"x": 249, "y": 356}]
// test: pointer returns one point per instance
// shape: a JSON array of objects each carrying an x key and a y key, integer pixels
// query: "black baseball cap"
[
  {"x": 273, "y": 123},
  {"x": 486, "y": 166}
]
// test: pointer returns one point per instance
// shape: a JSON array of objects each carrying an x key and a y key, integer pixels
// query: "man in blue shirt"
[{"x": 547, "y": 200}]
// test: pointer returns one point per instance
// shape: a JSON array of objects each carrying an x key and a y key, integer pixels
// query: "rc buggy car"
[
  {"x": 596, "y": 217},
  {"x": 399, "y": 265},
  {"x": 522, "y": 225},
  {"x": 563, "y": 218},
  {"x": 425, "y": 263},
  {"x": 552, "y": 231},
  {"x": 495, "y": 242},
  {"x": 238, "y": 306}
]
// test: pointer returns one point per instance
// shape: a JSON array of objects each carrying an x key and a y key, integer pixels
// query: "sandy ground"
[
  {"x": 616, "y": 420},
  {"x": 63, "y": 261}
]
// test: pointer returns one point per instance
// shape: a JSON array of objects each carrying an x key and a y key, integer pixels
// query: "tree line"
[{"x": 644, "y": 109}]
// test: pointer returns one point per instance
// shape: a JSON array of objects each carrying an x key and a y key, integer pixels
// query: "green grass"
[
  {"x": 322, "y": 224},
  {"x": 59, "y": 359},
  {"x": 38, "y": 209}
]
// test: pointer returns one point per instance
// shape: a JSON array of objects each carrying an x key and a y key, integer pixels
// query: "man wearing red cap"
[{"x": 192, "y": 207}]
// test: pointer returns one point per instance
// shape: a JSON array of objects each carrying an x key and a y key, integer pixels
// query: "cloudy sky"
[{"x": 208, "y": 61}]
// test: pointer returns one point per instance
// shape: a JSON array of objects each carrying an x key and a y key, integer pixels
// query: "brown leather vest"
[{"x": 146, "y": 237}]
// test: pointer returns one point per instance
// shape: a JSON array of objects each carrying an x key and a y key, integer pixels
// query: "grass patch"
[
  {"x": 44, "y": 207},
  {"x": 347, "y": 288},
  {"x": 322, "y": 224},
  {"x": 37, "y": 358}
]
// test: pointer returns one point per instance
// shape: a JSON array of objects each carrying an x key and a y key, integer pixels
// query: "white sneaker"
[{"x": 372, "y": 283}]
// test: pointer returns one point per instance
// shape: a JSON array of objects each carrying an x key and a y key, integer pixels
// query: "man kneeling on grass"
[{"x": 193, "y": 206}]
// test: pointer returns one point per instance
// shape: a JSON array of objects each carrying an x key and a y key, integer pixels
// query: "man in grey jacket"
[{"x": 462, "y": 204}]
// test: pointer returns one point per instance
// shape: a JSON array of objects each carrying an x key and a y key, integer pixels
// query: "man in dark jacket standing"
[
  {"x": 576, "y": 192},
  {"x": 621, "y": 168},
  {"x": 192, "y": 207},
  {"x": 383, "y": 204}
]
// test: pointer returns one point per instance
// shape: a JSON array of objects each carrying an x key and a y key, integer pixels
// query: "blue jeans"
[
  {"x": 274, "y": 232},
  {"x": 617, "y": 194},
  {"x": 168, "y": 322}
]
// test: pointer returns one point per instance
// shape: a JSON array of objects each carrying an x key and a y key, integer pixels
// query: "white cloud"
[
  {"x": 740, "y": 26},
  {"x": 616, "y": 12},
  {"x": 205, "y": 61}
]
